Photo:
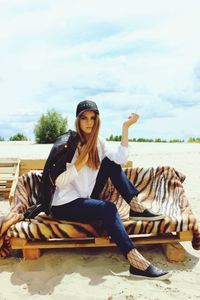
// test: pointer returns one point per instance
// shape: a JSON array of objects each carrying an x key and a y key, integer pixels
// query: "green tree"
[
  {"x": 110, "y": 138},
  {"x": 158, "y": 140},
  {"x": 140, "y": 140},
  {"x": 117, "y": 138},
  {"x": 193, "y": 140},
  {"x": 2, "y": 139},
  {"x": 18, "y": 137},
  {"x": 49, "y": 127},
  {"x": 176, "y": 141},
  {"x": 132, "y": 140}
]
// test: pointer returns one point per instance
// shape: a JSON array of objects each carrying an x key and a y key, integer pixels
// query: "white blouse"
[{"x": 71, "y": 184}]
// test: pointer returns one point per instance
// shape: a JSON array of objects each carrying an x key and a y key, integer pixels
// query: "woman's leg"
[
  {"x": 109, "y": 169},
  {"x": 87, "y": 210},
  {"x": 126, "y": 189}
]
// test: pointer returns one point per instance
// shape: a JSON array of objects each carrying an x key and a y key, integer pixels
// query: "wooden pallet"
[
  {"x": 172, "y": 248},
  {"x": 9, "y": 173},
  {"x": 170, "y": 243}
]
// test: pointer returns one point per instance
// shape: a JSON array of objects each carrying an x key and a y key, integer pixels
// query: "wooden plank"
[
  {"x": 31, "y": 164},
  {"x": 38, "y": 164},
  {"x": 18, "y": 243},
  {"x": 129, "y": 164},
  {"x": 9, "y": 163},
  {"x": 7, "y": 170},
  {"x": 102, "y": 241},
  {"x": 55, "y": 244},
  {"x": 185, "y": 236},
  {"x": 87, "y": 242},
  {"x": 156, "y": 239},
  {"x": 14, "y": 184},
  {"x": 9, "y": 184},
  {"x": 31, "y": 254},
  {"x": 7, "y": 177},
  {"x": 4, "y": 189},
  {"x": 174, "y": 252}
]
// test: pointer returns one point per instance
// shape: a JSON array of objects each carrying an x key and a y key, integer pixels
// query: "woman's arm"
[
  {"x": 131, "y": 120},
  {"x": 119, "y": 154}
]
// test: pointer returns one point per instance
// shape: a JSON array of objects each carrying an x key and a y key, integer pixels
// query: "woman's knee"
[{"x": 110, "y": 208}]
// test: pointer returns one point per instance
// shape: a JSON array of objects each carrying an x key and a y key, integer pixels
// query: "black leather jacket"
[{"x": 62, "y": 152}]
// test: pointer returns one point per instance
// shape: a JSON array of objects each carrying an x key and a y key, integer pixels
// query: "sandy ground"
[{"x": 87, "y": 273}]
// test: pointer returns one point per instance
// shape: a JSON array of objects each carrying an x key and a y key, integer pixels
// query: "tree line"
[
  {"x": 117, "y": 138},
  {"x": 50, "y": 125}
]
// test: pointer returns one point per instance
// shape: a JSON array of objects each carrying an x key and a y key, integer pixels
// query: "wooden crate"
[{"x": 9, "y": 173}]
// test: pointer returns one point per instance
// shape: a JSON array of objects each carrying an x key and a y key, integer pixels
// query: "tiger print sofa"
[{"x": 160, "y": 189}]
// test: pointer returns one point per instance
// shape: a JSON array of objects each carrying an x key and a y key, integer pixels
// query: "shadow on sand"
[{"x": 43, "y": 275}]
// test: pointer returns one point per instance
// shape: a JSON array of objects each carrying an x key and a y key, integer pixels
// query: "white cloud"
[
  {"x": 184, "y": 124},
  {"x": 125, "y": 55}
]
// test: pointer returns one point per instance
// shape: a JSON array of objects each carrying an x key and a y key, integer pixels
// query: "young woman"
[{"x": 77, "y": 190}]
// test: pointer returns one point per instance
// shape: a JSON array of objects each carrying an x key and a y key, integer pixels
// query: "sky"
[{"x": 128, "y": 56}]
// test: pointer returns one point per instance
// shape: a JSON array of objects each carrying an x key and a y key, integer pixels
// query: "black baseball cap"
[{"x": 86, "y": 105}]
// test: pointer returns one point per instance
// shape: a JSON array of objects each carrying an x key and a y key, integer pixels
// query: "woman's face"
[{"x": 87, "y": 121}]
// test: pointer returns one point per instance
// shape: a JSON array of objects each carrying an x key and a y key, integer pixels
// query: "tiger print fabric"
[{"x": 160, "y": 189}]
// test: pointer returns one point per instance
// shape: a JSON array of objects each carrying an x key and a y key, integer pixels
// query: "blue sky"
[{"x": 128, "y": 56}]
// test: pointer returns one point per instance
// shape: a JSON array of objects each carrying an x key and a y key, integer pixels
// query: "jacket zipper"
[{"x": 50, "y": 202}]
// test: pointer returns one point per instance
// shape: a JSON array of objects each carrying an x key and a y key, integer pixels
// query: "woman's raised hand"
[{"x": 131, "y": 120}]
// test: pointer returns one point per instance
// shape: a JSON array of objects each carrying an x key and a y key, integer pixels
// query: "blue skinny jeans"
[{"x": 91, "y": 209}]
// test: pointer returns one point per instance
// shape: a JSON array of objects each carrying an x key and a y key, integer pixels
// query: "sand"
[{"x": 88, "y": 273}]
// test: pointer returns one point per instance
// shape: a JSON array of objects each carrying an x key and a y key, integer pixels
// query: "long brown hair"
[{"x": 90, "y": 143}]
